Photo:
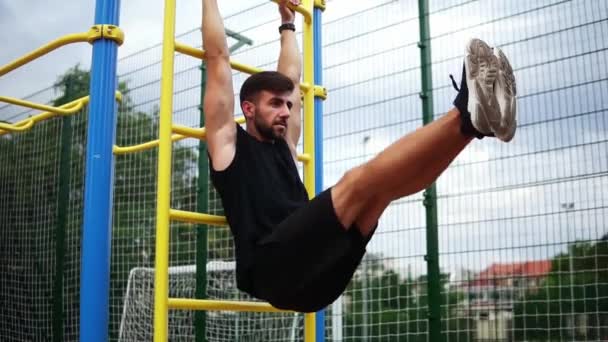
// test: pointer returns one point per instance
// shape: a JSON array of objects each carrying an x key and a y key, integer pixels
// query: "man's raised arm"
[
  {"x": 219, "y": 94},
  {"x": 290, "y": 65}
]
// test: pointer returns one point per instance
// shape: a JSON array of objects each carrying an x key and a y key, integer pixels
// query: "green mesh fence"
[
  {"x": 373, "y": 85},
  {"x": 135, "y": 203},
  {"x": 27, "y": 233},
  {"x": 522, "y": 226},
  {"x": 522, "y": 238},
  {"x": 33, "y": 302}
]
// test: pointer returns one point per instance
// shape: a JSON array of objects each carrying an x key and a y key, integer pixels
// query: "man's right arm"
[{"x": 219, "y": 94}]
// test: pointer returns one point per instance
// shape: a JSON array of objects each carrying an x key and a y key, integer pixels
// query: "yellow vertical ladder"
[{"x": 164, "y": 214}]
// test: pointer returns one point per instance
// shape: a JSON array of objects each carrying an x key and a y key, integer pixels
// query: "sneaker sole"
[
  {"x": 481, "y": 72},
  {"x": 506, "y": 94}
]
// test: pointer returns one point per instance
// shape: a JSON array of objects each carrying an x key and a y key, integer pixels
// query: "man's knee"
[
  {"x": 350, "y": 195},
  {"x": 353, "y": 183}
]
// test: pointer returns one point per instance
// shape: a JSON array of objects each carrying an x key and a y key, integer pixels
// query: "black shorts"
[{"x": 308, "y": 260}]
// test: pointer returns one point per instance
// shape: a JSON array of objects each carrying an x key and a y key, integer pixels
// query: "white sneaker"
[
  {"x": 506, "y": 93},
  {"x": 481, "y": 67}
]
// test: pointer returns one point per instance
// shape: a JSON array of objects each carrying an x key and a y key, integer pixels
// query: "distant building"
[
  {"x": 490, "y": 295},
  {"x": 524, "y": 275}
]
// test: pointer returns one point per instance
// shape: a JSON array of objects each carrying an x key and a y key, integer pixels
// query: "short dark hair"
[{"x": 271, "y": 81}]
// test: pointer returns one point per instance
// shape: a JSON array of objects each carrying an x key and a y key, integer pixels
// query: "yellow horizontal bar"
[
  {"x": 16, "y": 128},
  {"x": 191, "y": 217},
  {"x": 91, "y": 35},
  {"x": 198, "y": 133},
  {"x": 154, "y": 143},
  {"x": 118, "y": 150},
  {"x": 300, "y": 9},
  {"x": 29, "y": 122},
  {"x": 200, "y": 54},
  {"x": 221, "y": 305},
  {"x": 182, "y": 132},
  {"x": 64, "y": 110}
]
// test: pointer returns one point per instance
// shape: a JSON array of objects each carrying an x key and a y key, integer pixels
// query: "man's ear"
[{"x": 248, "y": 108}]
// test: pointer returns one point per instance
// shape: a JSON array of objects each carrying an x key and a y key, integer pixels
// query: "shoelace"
[{"x": 454, "y": 83}]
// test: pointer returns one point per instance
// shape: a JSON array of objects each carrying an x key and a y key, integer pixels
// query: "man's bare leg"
[
  {"x": 415, "y": 161},
  {"x": 407, "y": 166}
]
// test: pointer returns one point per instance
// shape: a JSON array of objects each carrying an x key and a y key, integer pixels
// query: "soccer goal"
[{"x": 138, "y": 309}]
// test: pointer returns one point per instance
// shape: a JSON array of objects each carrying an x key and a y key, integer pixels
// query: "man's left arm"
[{"x": 290, "y": 65}]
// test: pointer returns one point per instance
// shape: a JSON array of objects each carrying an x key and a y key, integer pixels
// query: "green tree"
[
  {"x": 29, "y": 181},
  {"x": 134, "y": 214},
  {"x": 385, "y": 306},
  {"x": 573, "y": 300},
  {"x": 28, "y": 210}
]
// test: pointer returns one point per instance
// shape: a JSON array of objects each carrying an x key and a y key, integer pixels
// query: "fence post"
[
  {"x": 430, "y": 195},
  {"x": 63, "y": 202},
  {"x": 202, "y": 206}
]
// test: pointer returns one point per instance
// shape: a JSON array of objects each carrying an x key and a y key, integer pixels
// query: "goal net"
[{"x": 138, "y": 311}]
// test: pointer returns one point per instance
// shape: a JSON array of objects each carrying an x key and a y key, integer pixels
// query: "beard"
[{"x": 267, "y": 131}]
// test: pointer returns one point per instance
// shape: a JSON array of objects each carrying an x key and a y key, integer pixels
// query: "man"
[{"x": 299, "y": 254}]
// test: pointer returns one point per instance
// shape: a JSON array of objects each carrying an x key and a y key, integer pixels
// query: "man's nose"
[{"x": 285, "y": 112}]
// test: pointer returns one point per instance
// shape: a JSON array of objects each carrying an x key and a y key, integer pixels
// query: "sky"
[
  {"x": 26, "y": 25},
  {"x": 370, "y": 71}
]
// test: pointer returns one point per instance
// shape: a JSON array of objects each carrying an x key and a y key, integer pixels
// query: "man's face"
[{"x": 271, "y": 114}]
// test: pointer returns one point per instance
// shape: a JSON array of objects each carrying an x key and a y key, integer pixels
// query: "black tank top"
[{"x": 259, "y": 189}]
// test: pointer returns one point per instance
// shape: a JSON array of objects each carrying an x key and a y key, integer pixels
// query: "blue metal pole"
[
  {"x": 97, "y": 226},
  {"x": 318, "y": 63}
]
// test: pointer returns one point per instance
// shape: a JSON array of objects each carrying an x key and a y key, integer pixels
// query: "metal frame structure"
[
  {"x": 99, "y": 181},
  {"x": 106, "y": 36},
  {"x": 164, "y": 214}
]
